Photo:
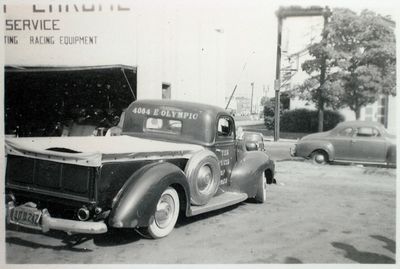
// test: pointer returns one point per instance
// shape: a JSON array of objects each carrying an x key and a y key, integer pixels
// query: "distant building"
[{"x": 243, "y": 106}]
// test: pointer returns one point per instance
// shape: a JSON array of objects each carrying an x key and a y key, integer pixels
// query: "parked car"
[
  {"x": 256, "y": 138},
  {"x": 352, "y": 141},
  {"x": 171, "y": 157}
]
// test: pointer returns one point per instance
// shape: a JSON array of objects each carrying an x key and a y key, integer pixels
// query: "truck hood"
[{"x": 93, "y": 151}]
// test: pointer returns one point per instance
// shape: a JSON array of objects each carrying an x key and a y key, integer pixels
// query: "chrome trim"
[
  {"x": 86, "y": 214},
  {"x": 68, "y": 226},
  {"x": 49, "y": 193}
]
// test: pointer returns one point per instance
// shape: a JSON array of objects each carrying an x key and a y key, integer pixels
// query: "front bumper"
[{"x": 46, "y": 223}]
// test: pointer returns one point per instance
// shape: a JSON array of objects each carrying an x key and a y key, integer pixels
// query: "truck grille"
[{"x": 50, "y": 176}]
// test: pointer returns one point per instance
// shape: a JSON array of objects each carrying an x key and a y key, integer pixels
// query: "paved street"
[{"x": 315, "y": 214}]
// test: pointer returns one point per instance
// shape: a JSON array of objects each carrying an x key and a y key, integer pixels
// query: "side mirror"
[{"x": 251, "y": 146}]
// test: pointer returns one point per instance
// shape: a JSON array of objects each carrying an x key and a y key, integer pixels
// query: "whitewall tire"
[
  {"x": 261, "y": 196},
  {"x": 166, "y": 215}
]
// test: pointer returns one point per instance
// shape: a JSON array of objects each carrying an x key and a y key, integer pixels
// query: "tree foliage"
[
  {"x": 360, "y": 59},
  {"x": 269, "y": 108}
]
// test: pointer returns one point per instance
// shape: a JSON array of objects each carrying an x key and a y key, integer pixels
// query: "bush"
[
  {"x": 306, "y": 121},
  {"x": 269, "y": 115}
]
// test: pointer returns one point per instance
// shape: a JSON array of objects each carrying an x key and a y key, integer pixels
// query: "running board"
[
  {"x": 361, "y": 162},
  {"x": 223, "y": 200}
]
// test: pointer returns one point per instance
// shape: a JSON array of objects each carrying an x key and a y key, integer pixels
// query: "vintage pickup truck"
[{"x": 172, "y": 157}]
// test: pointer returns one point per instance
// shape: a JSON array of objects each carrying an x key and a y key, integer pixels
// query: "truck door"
[{"x": 224, "y": 146}]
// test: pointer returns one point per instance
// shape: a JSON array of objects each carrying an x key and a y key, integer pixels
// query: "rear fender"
[
  {"x": 248, "y": 169},
  {"x": 391, "y": 155},
  {"x": 136, "y": 202}
]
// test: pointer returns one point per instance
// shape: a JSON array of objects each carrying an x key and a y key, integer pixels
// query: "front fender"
[
  {"x": 136, "y": 202},
  {"x": 391, "y": 155},
  {"x": 248, "y": 169},
  {"x": 305, "y": 148}
]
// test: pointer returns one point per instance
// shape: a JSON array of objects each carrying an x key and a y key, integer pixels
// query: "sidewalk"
[{"x": 270, "y": 139}]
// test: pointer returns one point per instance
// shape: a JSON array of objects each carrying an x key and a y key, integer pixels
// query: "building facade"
[{"x": 176, "y": 56}]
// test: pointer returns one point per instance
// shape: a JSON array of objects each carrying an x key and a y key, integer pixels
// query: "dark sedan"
[{"x": 352, "y": 141}]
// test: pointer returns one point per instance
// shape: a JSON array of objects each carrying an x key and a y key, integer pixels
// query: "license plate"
[{"x": 26, "y": 216}]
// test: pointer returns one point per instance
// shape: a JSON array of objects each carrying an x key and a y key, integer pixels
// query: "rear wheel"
[
  {"x": 166, "y": 214},
  {"x": 319, "y": 157}
]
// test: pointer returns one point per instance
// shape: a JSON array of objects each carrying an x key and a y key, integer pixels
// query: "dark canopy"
[{"x": 40, "y": 100}]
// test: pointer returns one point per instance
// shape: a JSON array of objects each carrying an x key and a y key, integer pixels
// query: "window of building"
[{"x": 166, "y": 91}]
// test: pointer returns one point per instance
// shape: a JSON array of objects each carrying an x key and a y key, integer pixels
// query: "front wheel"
[
  {"x": 261, "y": 196},
  {"x": 166, "y": 214},
  {"x": 319, "y": 157}
]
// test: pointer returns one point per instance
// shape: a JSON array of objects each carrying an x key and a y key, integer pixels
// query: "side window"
[
  {"x": 346, "y": 132},
  {"x": 225, "y": 128},
  {"x": 367, "y": 132}
]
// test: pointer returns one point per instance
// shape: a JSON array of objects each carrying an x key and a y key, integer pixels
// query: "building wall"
[{"x": 164, "y": 43}]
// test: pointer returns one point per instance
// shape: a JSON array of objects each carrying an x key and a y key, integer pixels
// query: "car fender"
[
  {"x": 248, "y": 169},
  {"x": 305, "y": 148},
  {"x": 391, "y": 155},
  {"x": 136, "y": 202}
]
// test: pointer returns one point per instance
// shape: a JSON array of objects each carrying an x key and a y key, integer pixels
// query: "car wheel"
[
  {"x": 261, "y": 195},
  {"x": 319, "y": 157},
  {"x": 166, "y": 214},
  {"x": 203, "y": 173}
]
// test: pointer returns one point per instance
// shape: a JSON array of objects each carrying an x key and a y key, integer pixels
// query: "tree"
[
  {"x": 365, "y": 57},
  {"x": 358, "y": 58},
  {"x": 316, "y": 88}
]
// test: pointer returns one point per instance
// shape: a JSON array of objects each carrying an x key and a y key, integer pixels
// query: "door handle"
[{"x": 353, "y": 141}]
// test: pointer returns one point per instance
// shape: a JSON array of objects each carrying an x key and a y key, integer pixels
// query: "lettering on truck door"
[{"x": 225, "y": 147}]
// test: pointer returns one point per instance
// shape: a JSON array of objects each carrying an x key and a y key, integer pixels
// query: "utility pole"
[
  {"x": 322, "y": 77},
  {"x": 251, "y": 101},
  {"x": 284, "y": 13},
  {"x": 277, "y": 84}
]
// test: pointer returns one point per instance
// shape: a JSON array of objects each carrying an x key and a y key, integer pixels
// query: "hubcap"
[
  {"x": 204, "y": 179},
  {"x": 319, "y": 158},
  {"x": 165, "y": 211}
]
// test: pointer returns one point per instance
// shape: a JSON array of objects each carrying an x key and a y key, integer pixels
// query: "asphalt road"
[{"x": 314, "y": 214}]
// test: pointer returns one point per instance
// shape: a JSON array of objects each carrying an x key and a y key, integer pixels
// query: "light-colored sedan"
[{"x": 352, "y": 142}]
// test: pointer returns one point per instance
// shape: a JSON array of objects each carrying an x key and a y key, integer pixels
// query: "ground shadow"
[
  {"x": 292, "y": 260},
  {"x": 183, "y": 220},
  {"x": 117, "y": 237},
  {"x": 292, "y": 159},
  {"x": 362, "y": 256},
  {"x": 112, "y": 238},
  {"x": 68, "y": 246},
  {"x": 390, "y": 244}
]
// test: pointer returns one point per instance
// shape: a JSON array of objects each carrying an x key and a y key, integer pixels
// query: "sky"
[{"x": 252, "y": 34}]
